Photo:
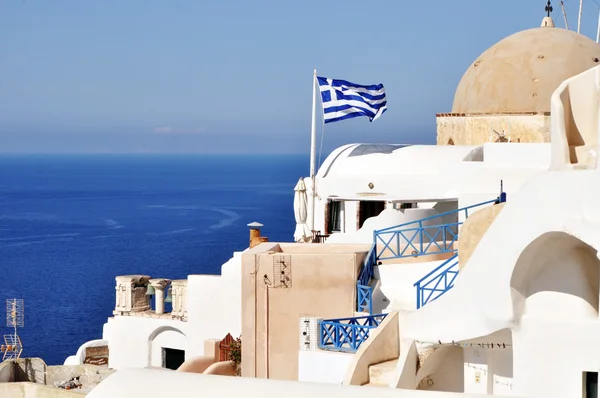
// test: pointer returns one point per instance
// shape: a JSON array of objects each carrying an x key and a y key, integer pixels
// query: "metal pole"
[
  {"x": 580, "y": 12},
  {"x": 313, "y": 130},
  {"x": 562, "y": 4},
  {"x": 313, "y": 150},
  {"x": 598, "y": 33}
]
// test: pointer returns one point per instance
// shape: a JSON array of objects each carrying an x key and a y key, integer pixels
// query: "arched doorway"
[{"x": 166, "y": 347}]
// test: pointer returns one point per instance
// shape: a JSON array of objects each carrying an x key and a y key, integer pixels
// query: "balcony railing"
[
  {"x": 347, "y": 334},
  {"x": 417, "y": 238}
]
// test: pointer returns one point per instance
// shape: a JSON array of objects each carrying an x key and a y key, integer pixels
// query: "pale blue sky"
[{"x": 235, "y": 75}]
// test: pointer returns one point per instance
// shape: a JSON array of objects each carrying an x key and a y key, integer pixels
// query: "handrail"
[
  {"x": 364, "y": 298},
  {"x": 347, "y": 334},
  {"x": 366, "y": 273},
  {"x": 447, "y": 232},
  {"x": 364, "y": 293},
  {"x": 445, "y": 272},
  {"x": 447, "y": 213},
  {"x": 415, "y": 235}
]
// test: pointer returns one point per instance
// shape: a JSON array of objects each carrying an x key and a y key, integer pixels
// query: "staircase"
[
  {"x": 381, "y": 374},
  {"x": 437, "y": 282},
  {"x": 410, "y": 239},
  {"x": 418, "y": 238}
]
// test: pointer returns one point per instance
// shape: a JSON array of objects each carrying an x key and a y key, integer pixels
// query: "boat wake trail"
[
  {"x": 35, "y": 239},
  {"x": 18, "y": 238},
  {"x": 112, "y": 224},
  {"x": 230, "y": 218},
  {"x": 175, "y": 232}
]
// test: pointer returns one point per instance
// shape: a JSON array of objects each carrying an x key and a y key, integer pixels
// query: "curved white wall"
[
  {"x": 130, "y": 340},
  {"x": 79, "y": 357},
  {"x": 154, "y": 383},
  {"x": 214, "y": 305}
]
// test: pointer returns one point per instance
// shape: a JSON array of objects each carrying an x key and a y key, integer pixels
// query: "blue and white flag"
[{"x": 344, "y": 100}]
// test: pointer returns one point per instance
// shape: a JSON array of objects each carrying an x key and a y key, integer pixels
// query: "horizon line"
[{"x": 154, "y": 153}]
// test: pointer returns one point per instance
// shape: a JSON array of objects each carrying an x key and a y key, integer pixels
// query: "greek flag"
[{"x": 344, "y": 100}]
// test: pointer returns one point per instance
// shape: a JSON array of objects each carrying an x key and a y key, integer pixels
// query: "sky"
[{"x": 235, "y": 76}]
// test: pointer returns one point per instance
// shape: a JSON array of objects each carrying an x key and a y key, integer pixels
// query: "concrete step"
[
  {"x": 375, "y": 385},
  {"x": 382, "y": 373}
]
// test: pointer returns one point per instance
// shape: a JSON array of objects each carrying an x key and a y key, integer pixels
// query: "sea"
[{"x": 69, "y": 224}]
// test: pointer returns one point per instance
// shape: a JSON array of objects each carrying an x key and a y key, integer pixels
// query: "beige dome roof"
[{"x": 519, "y": 73}]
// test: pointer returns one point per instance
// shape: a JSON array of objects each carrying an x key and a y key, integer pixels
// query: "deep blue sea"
[{"x": 70, "y": 223}]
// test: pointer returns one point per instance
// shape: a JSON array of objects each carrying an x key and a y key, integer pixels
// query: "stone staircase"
[{"x": 381, "y": 374}]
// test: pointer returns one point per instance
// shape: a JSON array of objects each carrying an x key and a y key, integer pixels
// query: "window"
[
  {"x": 368, "y": 209},
  {"x": 590, "y": 384},
  {"x": 172, "y": 358},
  {"x": 335, "y": 210}
]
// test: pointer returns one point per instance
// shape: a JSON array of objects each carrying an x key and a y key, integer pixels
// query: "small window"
[
  {"x": 402, "y": 205},
  {"x": 335, "y": 214},
  {"x": 172, "y": 358}
]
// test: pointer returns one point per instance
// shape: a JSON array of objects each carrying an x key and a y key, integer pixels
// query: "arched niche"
[{"x": 556, "y": 276}]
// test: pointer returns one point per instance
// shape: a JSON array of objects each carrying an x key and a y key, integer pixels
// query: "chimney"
[{"x": 255, "y": 238}]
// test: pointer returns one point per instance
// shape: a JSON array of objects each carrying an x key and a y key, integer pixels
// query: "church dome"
[{"x": 519, "y": 73}]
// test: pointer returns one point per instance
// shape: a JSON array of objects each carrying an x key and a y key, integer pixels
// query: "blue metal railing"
[
  {"x": 364, "y": 293},
  {"x": 437, "y": 282},
  {"x": 366, "y": 273},
  {"x": 414, "y": 238},
  {"x": 347, "y": 334},
  {"x": 364, "y": 296}
]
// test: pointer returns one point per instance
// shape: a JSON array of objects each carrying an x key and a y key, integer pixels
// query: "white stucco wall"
[
  {"x": 323, "y": 366},
  {"x": 425, "y": 173},
  {"x": 135, "y": 341},
  {"x": 517, "y": 155},
  {"x": 350, "y": 220},
  {"x": 397, "y": 283},
  {"x": 550, "y": 301},
  {"x": 152, "y": 382},
  {"x": 575, "y": 115},
  {"x": 213, "y": 310},
  {"x": 215, "y": 305}
]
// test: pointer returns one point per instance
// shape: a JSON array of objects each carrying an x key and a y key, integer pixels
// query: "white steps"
[
  {"x": 380, "y": 374},
  {"x": 374, "y": 385}
]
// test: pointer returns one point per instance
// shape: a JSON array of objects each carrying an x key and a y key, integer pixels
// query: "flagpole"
[
  {"x": 313, "y": 149},
  {"x": 579, "y": 20},
  {"x": 598, "y": 33}
]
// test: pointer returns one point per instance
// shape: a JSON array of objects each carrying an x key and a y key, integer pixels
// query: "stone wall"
[
  {"x": 462, "y": 129},
  {"x": 89, "y": 375},
  {"x": 30, "y": 390}
]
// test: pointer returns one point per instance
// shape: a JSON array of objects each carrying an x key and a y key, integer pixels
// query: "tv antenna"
[{"x": 15, "y": 318}]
